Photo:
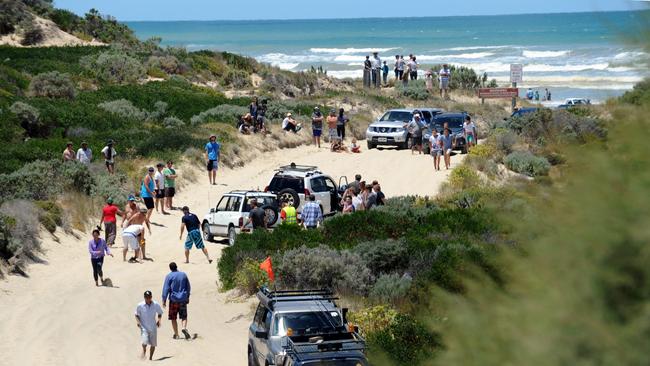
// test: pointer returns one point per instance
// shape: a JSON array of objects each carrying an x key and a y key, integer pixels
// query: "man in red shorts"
[
  {"x": 110, "y": 221},
  {"x": 177, "y": 288}
]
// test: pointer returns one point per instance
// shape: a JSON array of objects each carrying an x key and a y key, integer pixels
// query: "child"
[{"x": 354, "y": 147}]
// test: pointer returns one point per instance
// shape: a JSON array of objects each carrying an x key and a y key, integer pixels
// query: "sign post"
[
  {"x": 493, "y": 93},
  {"x": 516, "y": 76}
]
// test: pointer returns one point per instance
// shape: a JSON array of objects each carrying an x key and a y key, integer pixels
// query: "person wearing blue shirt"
[
  {"x": 177, "y": 289},
  {"x": 212, "y": 156}
]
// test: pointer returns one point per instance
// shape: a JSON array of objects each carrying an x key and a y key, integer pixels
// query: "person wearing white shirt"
[
  {"x": 469, "y": 129},
  {"x": 413, "y": 67},
  {"x": 109, "y": 156},
  {"x": 159, "y": 179},
  {"x": 376, "y": 70},
  {"x": 148, "y": 315},
  {"x": 84, "y": 154},
  {"x": 444, "y": 76}
]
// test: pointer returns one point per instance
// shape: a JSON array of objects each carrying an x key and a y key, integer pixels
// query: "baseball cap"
[
  {"x": 317, "y": 108},
  {"x": 131, "y": 198},
  {"x": 109, "y": 200},
  {"x": 289, "y": 114},
  {"x": 151, "y": 169},
  {"x": 160, "y": 165},
  {"x": 148, "y": 294},
  {"x": 143, "y": 210}
]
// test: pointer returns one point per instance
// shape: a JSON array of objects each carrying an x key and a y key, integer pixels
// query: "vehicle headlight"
[{"x": 399, "y": 129}]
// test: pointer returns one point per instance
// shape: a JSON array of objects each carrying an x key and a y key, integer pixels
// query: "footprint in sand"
[{"x": 238, "y": 317}]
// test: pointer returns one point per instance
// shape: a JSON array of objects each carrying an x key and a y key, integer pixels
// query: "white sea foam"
[
  {"x": 477, "y": 48},
  {"x": 544, "y": 54},
  {"x": 349, "y": 50},
  {"x": 504, "y": 67},
  {"x": 630, "y": 55}
]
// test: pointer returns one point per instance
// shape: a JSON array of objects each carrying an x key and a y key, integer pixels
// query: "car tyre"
[
  {"x": 272, "y": 213},
  {"x": 290, "y": 195},
  {"x": 370, "y": 145},
  {"x": 251, "y": 358},
  {"x": 232, "y": 235},
  {"x": 206, "y": 232}
]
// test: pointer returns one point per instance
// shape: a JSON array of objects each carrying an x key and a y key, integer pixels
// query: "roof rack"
[
  {"x": 300, "y": 168},
  {"x": 270, "y": 298},
  {"x": 297, "y": 349}
]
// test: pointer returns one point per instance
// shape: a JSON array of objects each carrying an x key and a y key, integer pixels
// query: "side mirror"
[
  {"x": 261, "y": 334},
  {"x": 212, "y": 210}
]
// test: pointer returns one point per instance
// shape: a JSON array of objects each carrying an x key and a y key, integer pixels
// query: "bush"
[
  {"x": 173, "y": 122},
  {"x": 503, "y": 140},
  {"x": 32, "y": 35},
  {"x": 483, "y": 150},
  {"x": 12, "y": 13},
  {"x": 416, "y": 89},
  {"x": 405, "y": 341},
  {"x": 482, "y": 164},
  {"x": 19, "y": 228},
  {"x": 390, "y": 288},
  {"x": 52, "y": 85},
  {"x": 222, "y": 113},
  {"x": 463, "y": 177},
  {"x": 114, "y": 67},
  {"x": 463, "y": 77},
  {"x": 159, "y": 111},
  {"x": 383, "y": 256},
  {"x": 168, "y": 64},
  {"x": 525, "y": 162},
  {"x": 65, "y": 19},
  {"x": 322, "y": 267},
  {"x": 124, "y": 109},
  {"x": 111, "y": 185},
  {"x": 373, "y": 319},
  {"x": 249, "y": 277},
  {"x": 237, "y": 79},
  {"x": 51, "y": 215},
  {"x": 29, "y": 118}
]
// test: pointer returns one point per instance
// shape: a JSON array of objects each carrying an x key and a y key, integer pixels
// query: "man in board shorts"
[
  {"x": 131, "y": 237},
  {"x": 193, "y": 225},
  {"x": 176, "y": 288},
  {"x": 212, "y": 156}
]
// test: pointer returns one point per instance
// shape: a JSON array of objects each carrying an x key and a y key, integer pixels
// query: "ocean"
[{"x": 574, "y": 55}]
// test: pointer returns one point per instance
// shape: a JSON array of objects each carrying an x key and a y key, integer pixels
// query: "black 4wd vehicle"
[{"x": 455, "y": 123}]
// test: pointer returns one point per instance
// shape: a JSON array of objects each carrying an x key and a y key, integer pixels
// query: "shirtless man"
[
  {"x": 130, "y": 210},
  {"x": 140, "y": 218}
]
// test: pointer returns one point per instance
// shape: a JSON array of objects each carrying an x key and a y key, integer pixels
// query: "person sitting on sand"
[
  {"x": 193, "y": 225},
  {"x": 246, "y": 124},
  {"x": 98, "y": 249},
  {"x": 290, "y": 124},
  {"x": 145, "y": 316},
  {"x": 354, "y": 146},
  {"x": 338, "y": 146}
]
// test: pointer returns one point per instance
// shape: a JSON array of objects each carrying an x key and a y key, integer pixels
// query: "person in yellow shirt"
[{"x": 288, "y": 214}]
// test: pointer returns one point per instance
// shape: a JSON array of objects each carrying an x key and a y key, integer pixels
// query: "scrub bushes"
[
  {"x": 237, "y": 79},
  {"x": 125, "y": 109},
  {"x": 525, "y": 162},
  {"x": 173, "y": 122},
  {"x": 52, "y": 85},
  {"x": 463, "y": 177},
  {"x": 250, "y": 277},
  {"x": 32, "y": 35},
  {"x": 29, "y": 119},
  {"x": 415, "y": 89},
  {"x": 383, "y": 256},
  {"x": 168, "y": 64},
  {"x": 390, "y": 288},
  {"x": 405, "y": 341},
  {"x": 114, "y": 67},
  {"x": 19, "y": 241},
  {"x": 223, "y": 113}
]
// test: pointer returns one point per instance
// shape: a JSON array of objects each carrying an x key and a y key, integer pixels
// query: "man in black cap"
[
  {"x": 109, "y": 156},
  {"x": 145, "y": 316},
  {"x": 193, "y": 225}
]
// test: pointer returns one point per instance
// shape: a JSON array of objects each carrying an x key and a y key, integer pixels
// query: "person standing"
[
  {"x": 415, "y": 130},
  {"x": 130, "y": 210},
  {"x": 109, "y": 156},
  {"x": 385, "y": 73},
  {"x": 348, "y": 206},
  {"x": 401, "y": 64},
  {"x": 84, "y": 154},
  {"x": 98, "y": 249},
  {"x": 469, "y": 129},
  {"x": 193, "y": 225},
  {"x": 176, "y": 289},
  {"x": 131, "y": 237},
  {"x": 159, "y": 179},
  {"x": 253, "y": 109},
  {"x": 68, "y": 153},
  {"x": 260, "y": 122},
  {"x": 413, "y": 68},
  {"x": 355, "y": 184},
  {"x": 341, "y": 121},
  {"x": 331, "y": 126},
  {"x": 317, "y": 125},
  {"x": 428, "y": 80},
  {"x": 537, "y": 95},
  {"x": 312, "y": 215},
  {"x": 257, "y": 216},
  {"x": 148, "y": 191},
  {"x": 212, "y": 149},
  {"x": 436, "y": 148},
  {"x": 376, "y": 70},
  {"x": 110, "y": 221},
  {"x": 288, "y": 214},
  {"x": 447, "y": 143},
  {"x": 381, "y": 197},
  {"x": 367, "y": 71},
  {"x": 148, "y": 315},
  {"x": 444, "y": 77},
  {"x": 170, "y": 184}
]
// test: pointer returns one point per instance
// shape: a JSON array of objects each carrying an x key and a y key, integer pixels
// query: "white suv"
[
  {"x": 293, "y": 182},
  {"x": 230, "y": 216}
]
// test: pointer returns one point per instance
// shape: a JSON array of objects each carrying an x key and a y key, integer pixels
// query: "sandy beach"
[{"x": 58, "y": 317}]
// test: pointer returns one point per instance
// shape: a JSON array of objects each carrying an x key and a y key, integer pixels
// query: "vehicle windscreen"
[
  {"x": 335, "y": 363},
  {"x": 279, "y": 183},
  {"x": 397, "y": 116},
  {"x": 261, "y": 202},
  {"x": 452, "y": 122},
  {"x": 306, "y": 322}
]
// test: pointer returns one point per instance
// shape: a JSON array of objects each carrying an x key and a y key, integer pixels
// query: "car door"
[
  {"x": 258, "y": 325},
  {"x": 261, "y": 344},
  {"x": 234, "y": 212},
  {"x": 219, "y": 225},
  {"x": 322, "y": 193},
  {"x": 333, "y": 197}
]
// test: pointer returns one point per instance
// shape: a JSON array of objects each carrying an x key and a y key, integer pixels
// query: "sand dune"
[{"x": 58, "y": 317}]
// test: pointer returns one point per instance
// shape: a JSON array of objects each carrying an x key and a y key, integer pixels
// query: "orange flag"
[{"x": 268, "y": 268}]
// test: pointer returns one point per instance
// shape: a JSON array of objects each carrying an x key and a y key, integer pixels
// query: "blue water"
[{"x": 584, "y": 54}]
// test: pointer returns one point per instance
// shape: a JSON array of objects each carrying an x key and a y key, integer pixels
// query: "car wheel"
[
  {"x": 232, "y": 235},
  {"x": 370, "y": 145},
  {"x": 406, "y": 145},
  {"x": 463, "y": 150},
  {"x": 206, "y": 232},
  {"x": 271, "y": 215},
  {"x": 291, "y": 196},
  {"x": 251, "y": 358}
]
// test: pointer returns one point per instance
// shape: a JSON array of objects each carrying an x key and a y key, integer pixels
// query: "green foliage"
[
  {"x": 483, "y": 150},
  {"x": 525, "y": 162},
  {"x": 383, "y": 256},
  {"x": 463, "y": 177},
  {"x": 415, "y": 89},
  {"x": 250, "y": 277},
  {"x": 373, "y": 319},
  {"x": 546, "y": 126},
  {"x": 38, "y": 60},
  {"x": 503, "y": 140},
  {"x": 51, "y": 215},
  {"x": 66, "y": 20},
  {"x": 640, "y": 95},
  {"x": 12, "y": 13},
  {"x": 28, "y": 118},
  {"x": 463, "y": 77},
  {"x": 114, "y": 67},
  {"x": 173, "y": 122},
  {"x": 52, "y": 85},
  {"x": 168, "y": 64},
  {"x": 124, "y": 109},
  {"x": 222, "y": 113},
  {"x": 106, "y": 29},
  {"x": 405, "y": 341},
  {"x": 237, "y": 79},
  {"x": 19, "y": 233},
  {"x": 390, "y": 288},
  {"x": 12, "y": 82}
]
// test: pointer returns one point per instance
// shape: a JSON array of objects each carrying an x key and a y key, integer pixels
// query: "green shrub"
[
  {"x": 19, "y": 233},
  {"x": 525, "y": 162},
  {"x": 249, "y": 277},
  {"x": 51, "y": 215},
  {"x": 237, "y": 79},
  {"x": 168, "y": 64},
  {"x": 32, "y": 35},
  {"x": 415, "y": 89},
  {"x": 383, "y": 256},
  {"x": 29, "y": 119},
  {"x": 405, "y": 341},
  {"x": 221, "y": 113},
  {"x": 65, "y": 19},
  {"x": 503, "y": 140},
  {"x": 124, "y": 109},
  {"x": 12, "y": 13},
  {"x": 640, "y": 95},
  {"x": 12, "y": 81},
  {"x": 52, "y": 85},
  {"x": 482, "y": 164},
  {"x": 483, "y": 150},
  {"x": 111, "y": 185},
  {"x": 390, "y": 288},
  {"x": 173, "y": 122},
  {"x": 373, "y": 319},
  {"x": 463, "y": 177},
  {"x": 463, "y": 77},
  {"x": 114, "y": 67}
]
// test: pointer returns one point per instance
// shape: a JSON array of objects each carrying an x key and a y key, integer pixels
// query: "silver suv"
[
  {"x": 302, "y": 327},
  {"x": 389, "y": 129}
]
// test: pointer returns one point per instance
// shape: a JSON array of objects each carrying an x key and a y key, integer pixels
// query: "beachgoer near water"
[
  {"x": 109, "y": 156},
  {"x": 444, "y": 77},
  {"x": 384, "y": 73},
  {"x": 354, "y": 146},
  {"x": 469, "y": 129},
  {"x": 288, "y": 214},
  {"x": 396, "y": 68},
  {"x": 367, "y": 71},
  {"x": 530, "y": 94},
  {"x": 145, "y": 316},
  {"x": 312, "y": 215},
  {"x": 376, "y": 70},
  {"x": 290, "y": 124},
  {"x": 413, "y": 68},
  {"x": 176, "y": 289},
  {"x": 537, "y": 95},
  {"x": 98, "y": 249},
  {"x": 110, "y": 221},
  {"x": 84, "y": 154},
  {"x": 193, "y": 225},
  {"x": 406, "y": 75},
  {"x": 170, "y": 184},
  {"x": 436, "y": 148},
  {"x": 447, "y": 144},
  {"x": 159, "y": 179},
  {"x": 132, "y": 236},
  {"x": 256, "y": 216},
  {"x": 148, "y": 191},
  {"x": 341, "y": 121},
  {"x": 415, "y": 130},
  {"x": 317, "y": 125},
  {"x": 68, "y": 153},
  {"x": 212, "y": 149},
  {"x": 331, "y": 125}
]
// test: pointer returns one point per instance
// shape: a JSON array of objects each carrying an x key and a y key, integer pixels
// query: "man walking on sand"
[
  {"x": 110, "y": 221},
  {"x": 317, "y": 125},
  {"x": 170, "y": 184},
  {"x": 159, "y": 179},
  {"x": 145, "y": 315},
  {"x": 148, "y": 191},
  {"x": 176, "y": 288},
  {"x": 193, "y": 225},
  {"x": 212, "y": 156}
]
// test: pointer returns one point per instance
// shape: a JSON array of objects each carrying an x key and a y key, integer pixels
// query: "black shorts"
[
  {"x": 109, "y": 164},
  {"x": 170, "y": 191},
  {"x": 160, "y": 193},
  {"x": 148, "y": 201},
  {"x": 417, "y": 140},
  {"x": 213, "y": 165}
]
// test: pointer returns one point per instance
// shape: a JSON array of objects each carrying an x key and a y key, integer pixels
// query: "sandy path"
[{"x": 58, "y": 316}]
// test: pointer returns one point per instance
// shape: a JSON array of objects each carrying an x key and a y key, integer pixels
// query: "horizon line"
[{"x": 386, "y": 17}]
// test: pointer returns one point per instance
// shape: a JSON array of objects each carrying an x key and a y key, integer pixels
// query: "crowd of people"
[
  {"x": 84, "y": 154},
  {"x": 534, "y": 95}
]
